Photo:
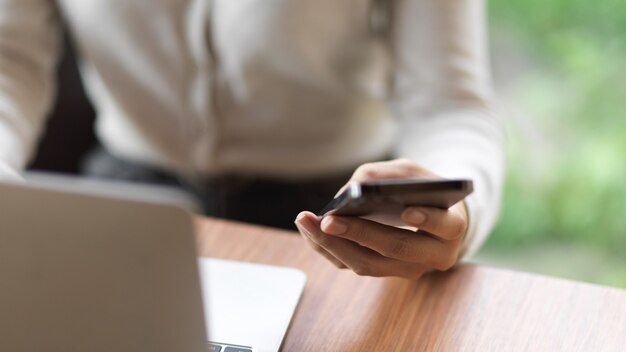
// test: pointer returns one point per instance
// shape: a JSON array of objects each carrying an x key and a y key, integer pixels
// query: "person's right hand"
[{"x": 432, "y": 239}]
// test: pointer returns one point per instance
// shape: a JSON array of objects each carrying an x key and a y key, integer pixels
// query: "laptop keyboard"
[{"x": 222, "y": 347}]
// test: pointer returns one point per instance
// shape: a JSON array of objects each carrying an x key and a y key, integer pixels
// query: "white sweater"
[{"x": 279, "y": 88}]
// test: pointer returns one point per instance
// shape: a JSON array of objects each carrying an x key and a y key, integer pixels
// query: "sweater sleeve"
[
  {"x": 29, "y": 46},
  {"x": 442, "y": 96}
]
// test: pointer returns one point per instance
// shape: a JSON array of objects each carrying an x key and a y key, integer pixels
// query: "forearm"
[
  {"x": 28, "y": 54},
  {"x": 442, "y": 98},
  {"x": 462, "y": 142}
]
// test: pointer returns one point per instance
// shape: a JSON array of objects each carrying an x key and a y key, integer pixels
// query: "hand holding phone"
[{"x": 428, "y": 231}]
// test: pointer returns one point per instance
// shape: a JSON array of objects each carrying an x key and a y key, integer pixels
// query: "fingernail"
[
  {"x": 303, "y": 225},
  {"x": 299, "y": 218},
  {"x": 334, "y": 226},
  {"x": 414, "y": 217}
]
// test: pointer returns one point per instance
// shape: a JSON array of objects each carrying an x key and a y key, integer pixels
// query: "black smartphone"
[{"x": 392, "y": 196}]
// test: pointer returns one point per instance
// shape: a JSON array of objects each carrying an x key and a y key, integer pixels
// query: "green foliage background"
[{"x": 564, "y": 211}]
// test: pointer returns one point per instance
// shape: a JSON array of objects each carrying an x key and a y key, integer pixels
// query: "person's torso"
[{"x": 277, "y": 87}]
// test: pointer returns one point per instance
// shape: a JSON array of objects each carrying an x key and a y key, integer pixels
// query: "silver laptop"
[{"x": 86, "y": 272}]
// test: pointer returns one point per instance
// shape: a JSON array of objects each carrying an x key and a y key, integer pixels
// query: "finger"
[
  {"x": 336, "y": 262},
  {"x": 393, "y": 169},
  {"x": 343, "y": 188},
  {"x": 392, "y": 242},
  {"x": 447, "y": 224},
  {"x": 361, "y": 260}
]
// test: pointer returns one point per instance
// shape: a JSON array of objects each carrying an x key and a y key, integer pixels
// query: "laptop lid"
[{"x": 90, "y": 273}]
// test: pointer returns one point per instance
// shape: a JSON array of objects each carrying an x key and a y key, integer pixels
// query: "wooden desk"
[{"x": 473, "y": 308}]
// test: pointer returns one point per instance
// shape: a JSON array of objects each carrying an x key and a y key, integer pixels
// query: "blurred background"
[{"x": 560, "y": 73}]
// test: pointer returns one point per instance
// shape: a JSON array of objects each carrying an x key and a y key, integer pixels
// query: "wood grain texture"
[{"x": 472, "y": 308}]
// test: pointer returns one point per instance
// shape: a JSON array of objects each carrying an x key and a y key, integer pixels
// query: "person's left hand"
[{"x": 370, "y": 248}]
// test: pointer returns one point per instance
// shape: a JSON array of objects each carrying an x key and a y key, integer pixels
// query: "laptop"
[{"x": 84, "y": 271}]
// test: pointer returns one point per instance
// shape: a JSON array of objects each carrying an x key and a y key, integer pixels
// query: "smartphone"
[{"x": 388, "y": 197}]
